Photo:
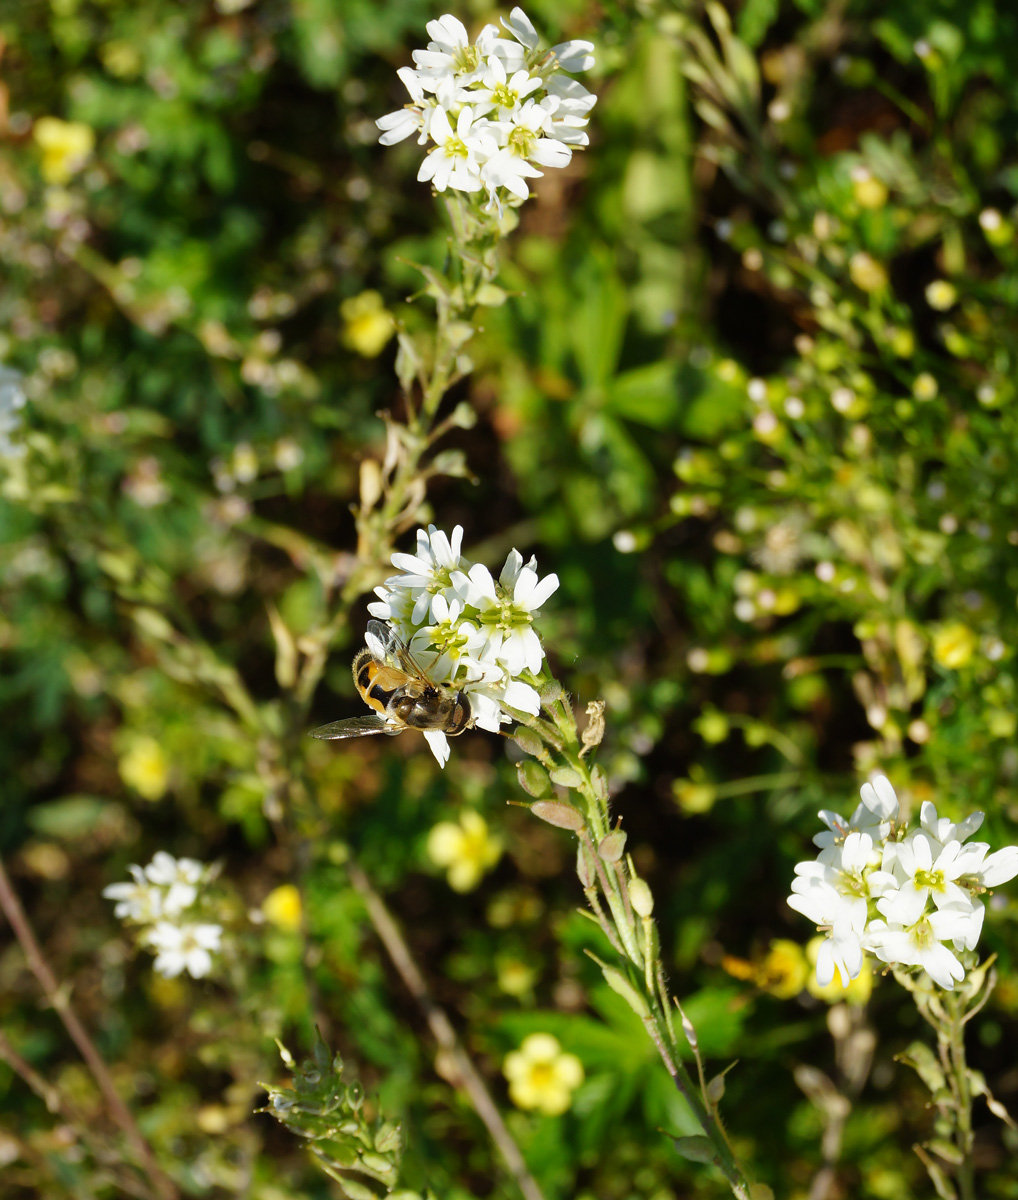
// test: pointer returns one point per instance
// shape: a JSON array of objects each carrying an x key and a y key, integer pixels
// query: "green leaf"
[{"x": 72, "y": 817}]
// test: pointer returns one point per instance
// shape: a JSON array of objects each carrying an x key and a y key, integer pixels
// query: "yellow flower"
[
  {"x": 858, "y": 990},
  {"x": 66, "y": 147},
  {"x": 925, "y": 386},
  {"x": 954, "y": 645},
  {"x": 467, "y": 849},
  {"x": 866, "y": 273},
  {"x": 368, "y": 325},
  {"x": 868, "y": 191},
  {"x": 782, "y": 972},
  {"x": 541, "y": 1075},
  {"x": 282, "y": 908},
  {"x": 144, "y": 767},
  {"x": 941, "y": 295},
  {"x": 515, "y": 978}
]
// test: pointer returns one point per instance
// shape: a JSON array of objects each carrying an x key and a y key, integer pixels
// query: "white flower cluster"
[
  {"x": 467, "y": 629},
  {"x": 12, "y": 398},
  {"x": 159, "y": 900},
  {"x": 492, "y": 108},
  {"x": 909, "y": 898}
]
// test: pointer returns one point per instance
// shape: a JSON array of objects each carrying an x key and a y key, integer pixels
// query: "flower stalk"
[{"x": 622, "y": 905}]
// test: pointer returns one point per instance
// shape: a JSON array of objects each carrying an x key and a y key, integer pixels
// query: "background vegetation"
[{"x": 753, "y": 399}]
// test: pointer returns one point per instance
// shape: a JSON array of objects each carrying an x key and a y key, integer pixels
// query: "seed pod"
[
  {"x": 566, "y": 777},
  {"x": 585, "y": 870},
  {"x": 620, "y": 984},
  {"x": 528, "y": 741},
  {"x": 533, "y": 778},
  {"x": 562, "y": 815},
  {"x": 696, "y": 1149},
  {"x": 612, "y": 847}
]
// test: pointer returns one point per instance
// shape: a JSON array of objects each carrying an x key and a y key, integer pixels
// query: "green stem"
[
  {"x": 962, "y": 1095},
  {"x": 658, "y": 1024}
]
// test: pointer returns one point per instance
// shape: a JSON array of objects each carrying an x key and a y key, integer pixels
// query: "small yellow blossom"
[
  {"x": 954, "y": 645},
  {"x": 924, "y": 387},
  {"x": 282, "y": 908},
  {"x": 368, "y": 325},
  {"x": 866, "y": 273},
  {"x": 541, "y": 1075},
  {"x": 941, "y": 295},
  {"x": 693, "y": 796},
  {"x": 515, "y": 978},
  {"x": 66, "y": 147},
  {"x": 782, "y": 972},
  {"x": 145, "y": 767},
  {"x": 467, "y": 849},
  {"x": 868, "y": 191},
  {"x": 858, "y": 990},
  {"x": 121, "y": 58}
]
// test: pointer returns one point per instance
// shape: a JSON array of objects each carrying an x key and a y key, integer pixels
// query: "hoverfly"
[{"x": 397, "y": 687}]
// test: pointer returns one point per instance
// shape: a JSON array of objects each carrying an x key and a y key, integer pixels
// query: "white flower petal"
[{"x": 439, "y": 744}]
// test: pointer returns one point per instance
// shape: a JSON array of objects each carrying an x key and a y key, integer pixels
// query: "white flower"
[
  {"x": 921, "y": 874},
  {"x": 455, "y": 160},
  {"x": 138, "y": 901},
  {"x": 574, "y": 55},
  {"x": 184, "y": 948},
  {"x": 942, "y": 830},
  {"x": 428, "y": 573},
  {"x": 540, "y": 112},
  {"x": 922, "y": 944},
  {"x": 466, "y": 631},
  {"x": 450, "y": 53},
  {"x": 998, "y": 868},
  {"x": 507, "y": 94},
  {"x": 506, "y": 611},
  {"x": 522, "y": 28},
  {"x": 450, "y": 644},
  {"x": 179, "y": 877},
  {"x": 439, "y": 745},
  {"x": 523, "y": 140},
  {"x": 874, "y": 815},
  {"x": 12, "y": 398},
  {"x": 817, "y": 895}
]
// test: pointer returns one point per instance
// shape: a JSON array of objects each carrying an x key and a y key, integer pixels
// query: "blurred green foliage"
[{"x": 752, "y": 397}]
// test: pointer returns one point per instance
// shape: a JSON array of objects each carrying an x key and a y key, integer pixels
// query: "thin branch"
[
  {"x": 442, "y": 1031},
  {"x": 61, "y": 1107},
  {"x": 57, "y": 996}
]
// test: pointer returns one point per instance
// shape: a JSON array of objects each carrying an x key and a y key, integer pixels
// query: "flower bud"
[{"x": 640, "y": 897}]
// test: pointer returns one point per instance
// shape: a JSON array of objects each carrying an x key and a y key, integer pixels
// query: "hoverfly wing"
[
  {"x": 397, "y": 652},
  {"x": 354, "y": 727}
]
